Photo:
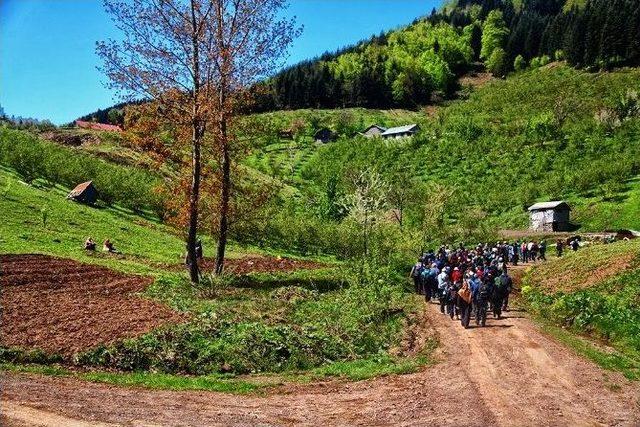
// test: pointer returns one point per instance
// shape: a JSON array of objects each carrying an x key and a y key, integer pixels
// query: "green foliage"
[
  {"x": 497, "y": 62},
  {"x": 606, "y": 310},
  {"x": 357, "y": 321},
  {"x": 514, "y": 142},
  {"x": 35, "y": 159},
  {"x": 494, "y": 34},
  {"x": 519, "y": 63}
]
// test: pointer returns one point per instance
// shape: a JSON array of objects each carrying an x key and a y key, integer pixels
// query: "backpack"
[
  {"x": 483, "y": 292},
  {"x": 465, "y": 293}
]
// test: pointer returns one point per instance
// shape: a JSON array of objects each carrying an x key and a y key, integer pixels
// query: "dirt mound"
[
  {"x": 476, "y": 80},
  {"x": 261, "y": 264},
  {"x": 64, "y": 306}
]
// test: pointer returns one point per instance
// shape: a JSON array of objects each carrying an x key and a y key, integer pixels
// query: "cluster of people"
[
  {"x": 107, "y": 246},
  {"x": 466, "y": 282}
]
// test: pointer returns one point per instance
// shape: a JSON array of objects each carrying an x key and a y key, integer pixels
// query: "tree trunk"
[
  {"x": 192, "y": 259},
  {"x": 196, "y": 139},
  {"x": 224, "y": 207}
]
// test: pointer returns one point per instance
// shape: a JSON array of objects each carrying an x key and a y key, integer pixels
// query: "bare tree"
[{"x": 195, "y": 59}]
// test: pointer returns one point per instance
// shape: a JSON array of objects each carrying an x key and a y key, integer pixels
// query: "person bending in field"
[
  {"x": 89, "y": 244},
  {"x": 107, "y": 246}
]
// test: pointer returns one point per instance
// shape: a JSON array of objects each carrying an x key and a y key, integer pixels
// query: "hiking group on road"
[{"x": 471, "y": 282}]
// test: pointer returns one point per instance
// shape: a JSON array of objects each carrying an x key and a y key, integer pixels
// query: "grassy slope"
[
  {"x": 486, "y": 142},
  {"x": 592, "y": 294},
  {"x": 285, "y": 158},
  {"x": 224, "y": 312},
  {"x": 144, "y": 243}
]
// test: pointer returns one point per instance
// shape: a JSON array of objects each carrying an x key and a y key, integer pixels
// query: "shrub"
[
  {"x": 519, "y": 63},
  {"x": 497, "y": 62}
]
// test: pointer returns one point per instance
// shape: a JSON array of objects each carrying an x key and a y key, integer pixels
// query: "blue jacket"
[{"x": 474, "y": 285}]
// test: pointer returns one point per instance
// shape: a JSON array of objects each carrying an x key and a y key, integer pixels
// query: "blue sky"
[{"x": 48, "y": 62}]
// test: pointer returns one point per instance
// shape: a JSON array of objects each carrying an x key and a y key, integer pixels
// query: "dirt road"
[{"x": 507, "y": 374}]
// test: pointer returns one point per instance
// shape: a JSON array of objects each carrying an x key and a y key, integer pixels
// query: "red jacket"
[{"x": 456, "y": 276}]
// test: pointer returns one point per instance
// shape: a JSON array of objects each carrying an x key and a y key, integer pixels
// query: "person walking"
[
  {"x": 481, "y": 300},
  {"x": 443, "y": 286},
  {"x": 465, "y": 299},
  {"x": 542, "y": 248},
  {"x": 416, "y": 275},
  {"x": 503, "y": 286},
  {"x": 559, "y": 248}
]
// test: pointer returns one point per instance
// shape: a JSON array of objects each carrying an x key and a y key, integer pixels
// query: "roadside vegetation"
[
  {"x": 592, "y": 293},
  {"x": 362, "y": 207}
]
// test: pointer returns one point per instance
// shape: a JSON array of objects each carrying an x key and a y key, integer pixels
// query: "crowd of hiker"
[{"x": 473, "y": 282}]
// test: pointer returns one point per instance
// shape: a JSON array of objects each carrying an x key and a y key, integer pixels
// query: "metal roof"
[
  {"x": 548, "y": 205},
  {"x": 80, "y": 188},
  {"x": 383, "y": 129},
  {"x": 400, "y": 129}
]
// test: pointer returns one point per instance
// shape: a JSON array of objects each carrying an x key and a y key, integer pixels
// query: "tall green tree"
[{"x": 494, "y": 33}]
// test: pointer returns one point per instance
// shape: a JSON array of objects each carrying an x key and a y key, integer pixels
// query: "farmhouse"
[
  {"x": 399, "y": 132},
  {"x": 550, "y": 216},
  {"x": 373, "y": 131},
  {"x": 84, "y": 193}
]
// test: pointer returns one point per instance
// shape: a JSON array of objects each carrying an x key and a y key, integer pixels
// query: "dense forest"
[{"x": 405, "y": 68}]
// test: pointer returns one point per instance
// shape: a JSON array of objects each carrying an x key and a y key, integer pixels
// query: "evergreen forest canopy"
[{"x": 404, "y": 68}]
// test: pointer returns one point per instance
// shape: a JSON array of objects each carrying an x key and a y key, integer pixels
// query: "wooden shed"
[
  {"x": 550, "y": 216},
  {"x": 84, "y": 193}
]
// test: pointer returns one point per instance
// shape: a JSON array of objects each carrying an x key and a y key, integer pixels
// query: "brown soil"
[
  {"x": 507, "y": 374},
  {"x": 261, "y": 264},
  {"x": 64, "y": 306},
  {"x": 72, "y": 138},
  {"x": 476, "y": 80},
  {"x": 572, "y": 280}
]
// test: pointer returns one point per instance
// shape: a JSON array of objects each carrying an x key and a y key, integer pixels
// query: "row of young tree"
[{"x": 404, "y": 68}]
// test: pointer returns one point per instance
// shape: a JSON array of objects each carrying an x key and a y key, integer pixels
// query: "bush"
[
  {"x": 358, "y": 321},
  {"x": 496, "y": 63},
  {"x": 519, "y": 63}
]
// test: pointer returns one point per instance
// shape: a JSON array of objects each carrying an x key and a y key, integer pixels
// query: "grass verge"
[{"x": 357, "y": 370}]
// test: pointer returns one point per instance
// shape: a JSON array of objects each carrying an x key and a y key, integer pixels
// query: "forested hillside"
[
  {"x": 404, "y": 68},
  {"x": 420, "y": 63}
]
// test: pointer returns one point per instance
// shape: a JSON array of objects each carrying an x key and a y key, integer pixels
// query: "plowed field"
[{"x": 63, "y": 306}]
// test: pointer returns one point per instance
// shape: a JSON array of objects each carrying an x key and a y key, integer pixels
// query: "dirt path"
[{"x": 507, "y": 374}]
